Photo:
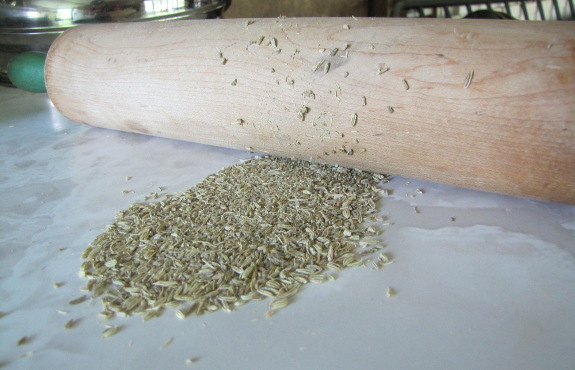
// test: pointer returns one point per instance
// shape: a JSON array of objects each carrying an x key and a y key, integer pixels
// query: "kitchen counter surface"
[{"x": 483, "y": 281}]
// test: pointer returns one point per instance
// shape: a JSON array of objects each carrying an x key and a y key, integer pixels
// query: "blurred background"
[{"x": 521, "y": 9}]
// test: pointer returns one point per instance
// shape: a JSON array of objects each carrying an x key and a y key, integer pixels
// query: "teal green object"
[{"x": 26, "y": 71}]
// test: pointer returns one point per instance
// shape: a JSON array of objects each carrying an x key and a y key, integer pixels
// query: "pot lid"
[{"x": 50, "y": 15}]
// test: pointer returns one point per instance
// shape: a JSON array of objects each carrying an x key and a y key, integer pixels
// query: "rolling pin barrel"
[{"x": 481, "y": 104}]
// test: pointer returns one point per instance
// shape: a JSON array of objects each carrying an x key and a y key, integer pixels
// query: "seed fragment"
[
  {"x": 166, "y": 343},
  {"x": 318, "y": 64},
  {"x": 112, "y": 330},
  {"x": 24, "y": 340},
  {"x": 317, "y": 278},
  {"x": 333, "y": 266},
  {"x": 405, "y": 84},
  {"x": 107, "y": 314},
  {"x": 353, "y": 119},
  {"x": 381, "y": 69},
  {"x": 273, "y": 42},
  {"x": 390, "y": 292},
  {"x": 309, "y": 94},
  {"x": 468, "y": 79},
  {"x": 191, "y": 361},
  {"x": 78, "y": 300},
  {"x": 152, "y": 313},
  {"x": 390, "y": 109},
  {"x": 278, "y": 303},
  {"x": 302, "y": 112},
  {"x": 346, "y": 26},
  {"x": 326, "y": 67},
  {"x": 180, "y": 314},
  {"x": 72, "y": 323},
  {"x": 234, "y": 82},
  {"x": 111, "y": 263}
]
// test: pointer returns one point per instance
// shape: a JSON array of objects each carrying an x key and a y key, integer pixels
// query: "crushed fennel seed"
[{"x": 262, "y": 228}]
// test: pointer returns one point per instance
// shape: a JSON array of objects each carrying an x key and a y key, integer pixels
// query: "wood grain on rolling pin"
[{"x": 511, "y": 131}]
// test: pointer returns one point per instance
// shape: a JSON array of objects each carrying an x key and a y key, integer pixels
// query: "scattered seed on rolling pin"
[
  {"x": 200, "y": 73},
  {"x": 381, "y": 69},
  {"x": 468, "y": 79},
  {"x": 273, "y": 42},
  {"x": 316, "y": 67},
  {"x": 405, "y": 84}
]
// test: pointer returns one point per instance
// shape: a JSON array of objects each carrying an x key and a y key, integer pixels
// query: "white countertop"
[{"x": 492, "y": 289}]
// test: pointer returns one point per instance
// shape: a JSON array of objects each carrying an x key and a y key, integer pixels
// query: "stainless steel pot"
[{"x": 32, "y": 25}]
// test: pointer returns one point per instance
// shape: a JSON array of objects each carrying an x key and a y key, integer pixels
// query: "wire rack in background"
[{"x": 517, "y": 9}]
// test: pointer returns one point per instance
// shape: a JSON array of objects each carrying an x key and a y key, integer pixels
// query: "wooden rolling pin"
[{"x": 482, "y": 104}]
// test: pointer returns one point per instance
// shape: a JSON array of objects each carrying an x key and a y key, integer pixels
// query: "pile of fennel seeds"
[{"x": 261, "y": 228}]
